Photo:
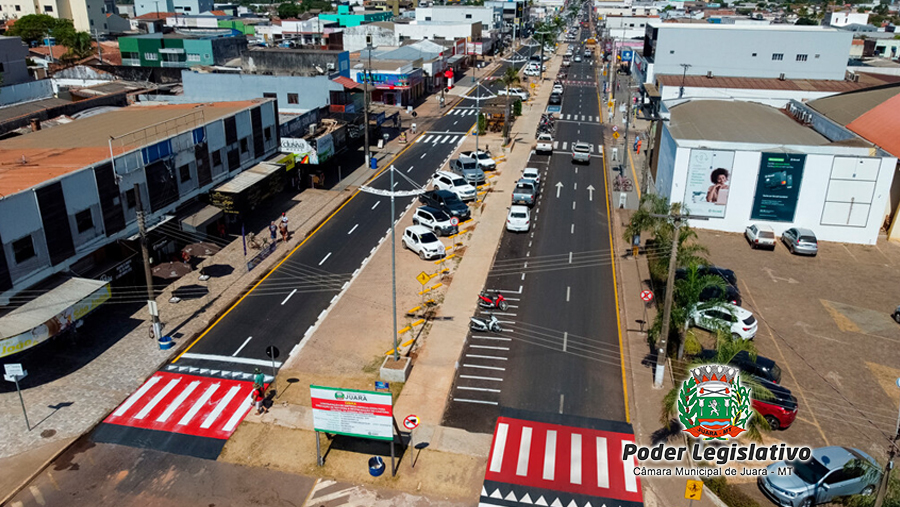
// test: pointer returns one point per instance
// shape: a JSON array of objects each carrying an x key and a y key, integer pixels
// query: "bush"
[
  {"x": 517, "y": 108},
  {"x": 482, "y": 124},
  {"x": 728, "y": 493}
]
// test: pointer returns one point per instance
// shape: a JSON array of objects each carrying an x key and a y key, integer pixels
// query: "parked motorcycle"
[
  {"x": 485, "y": 301},
  {"x": 481, "y": 324}
]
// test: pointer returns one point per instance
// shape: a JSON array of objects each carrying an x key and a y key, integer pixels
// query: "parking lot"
[{"x": 826, "y": 321}]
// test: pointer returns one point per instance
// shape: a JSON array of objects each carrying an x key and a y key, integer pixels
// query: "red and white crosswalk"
[
  {"x": 575, "y": 460},
  {"x": 187, "y": 404}
]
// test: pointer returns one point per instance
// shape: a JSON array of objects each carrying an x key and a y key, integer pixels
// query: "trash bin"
[
  {"x": 376, "y": 466},
  {"x": 166, "y": 343}
]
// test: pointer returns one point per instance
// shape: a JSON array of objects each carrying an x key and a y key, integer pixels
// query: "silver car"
[
  {"x": 581, "y": 152},
  {"x": 824, "y": 477},
  {"x": 800, "y": 241}
]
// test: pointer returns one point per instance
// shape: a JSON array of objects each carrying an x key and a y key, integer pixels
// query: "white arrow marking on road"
[
  {"x": 591, "y": 191},
  {"x": 558, "y": 188}
]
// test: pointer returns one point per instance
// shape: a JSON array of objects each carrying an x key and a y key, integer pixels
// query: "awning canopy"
[
  {"x": 198, "y": 218},
  {"x": 55, "y": 309},
  {"x": 453, "y": 60},
  {"x": 652, "y": 90}
]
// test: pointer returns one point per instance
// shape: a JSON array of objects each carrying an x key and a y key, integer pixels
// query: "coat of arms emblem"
[{"x": 713, "y": 404}]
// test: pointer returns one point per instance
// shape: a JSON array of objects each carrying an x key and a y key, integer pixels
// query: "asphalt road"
[{"x": 560, "y": 352}]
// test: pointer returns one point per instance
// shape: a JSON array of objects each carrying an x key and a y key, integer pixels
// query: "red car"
[{"x": 779, "y": 411}]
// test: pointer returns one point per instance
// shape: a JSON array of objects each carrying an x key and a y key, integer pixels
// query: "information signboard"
[
  {"x": 364, "y": 414},
  {"x": 778, "y": 187}
]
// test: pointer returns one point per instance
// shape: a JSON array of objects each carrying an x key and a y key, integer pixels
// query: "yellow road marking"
[
  {"x": 288, "y": 256},
  {"x": 413, "y": 310},
  {"x": 416, "y": 323},
  {"x": 405, "y": 329},
  {"x": 404, "y": 344}
]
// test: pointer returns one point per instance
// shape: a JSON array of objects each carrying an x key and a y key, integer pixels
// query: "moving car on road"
[
  {"x": 436, "y": 220},
  {"x": 423, "y": 242},
  {"x": 581, "y": 152},
  {"x": 800, "y": 241},
  {"x": 727, "y": 317},
  {"x": 577, "y": 58},
  {"x": 760, "y": 236},
  {"x": 515, "y": 92},
  {"x": 447, "y": 202},
  {"x": 824, "y": 477},
  {"x": 483, "y": 158},
  {"x": 518, "y": 219},
  {"x": 444, "y": 180}
]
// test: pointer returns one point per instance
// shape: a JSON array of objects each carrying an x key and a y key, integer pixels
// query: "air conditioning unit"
[
  {"x": 330, "y": 66},
  {"x": 781, "y": 76},
  {"x": 709, "y": 74},
  {"x": 312, "y": 129}
]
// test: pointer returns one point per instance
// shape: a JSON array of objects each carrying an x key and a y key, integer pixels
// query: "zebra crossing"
[
  {"x": 579, "y": 118},
  {"x": 579, "y": 83},
  {"x": 441, "y": 137},
  {"x": 563, "y": 146},
  {"x": 462, "y": 111}
]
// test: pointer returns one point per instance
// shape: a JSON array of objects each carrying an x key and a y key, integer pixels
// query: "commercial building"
[
  {"x": 490, "y": 17},
  {"x": 768, "y": 51},
  {"x": 86, "y": 15},
  {"x": 175, "y": 50},
  {"x": 846, "y": 18},
  {"x": 396, "y": 82},
  {"x": 437, "y": 30},
  {"x": 381, "y": 34},
  {"x": 739, "y": 163},
  {"x": 345, "y": 16},
  {"x": 294, "y": 94},
  {"x": 142, "y": 7},
  {"x": 13, "y": 53},
  {"x": 68, "y": 207},
  {"x": 296, "y": 62}
]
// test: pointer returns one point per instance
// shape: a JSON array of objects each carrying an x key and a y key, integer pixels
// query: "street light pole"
[
  {"x": 148, "y": 274},
  {"x": 366, "y": 81}
]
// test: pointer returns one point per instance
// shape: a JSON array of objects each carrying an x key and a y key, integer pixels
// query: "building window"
[
  {"x": 753, "y": 55},
  {"x": 92, "y": 22},
  {"x": 244, "y": 145},
  {"x": 130, "y": 199},
  {"x": 777, "y": 57},
  {"x": 217, "y": 158},
  {"x": 468, "y": 16},
  {"x": 427, "y": 18},
  {"x": 293, "y": 98},
  {"x": 270, "y": 95},
  {"x": 801, "y": 58},
  {"x": 671, "y": 51},
  {"x": 187, "y": 9},
  {"x": 23, "y": 249},
  {"x": 268, "y": 133},
  {"x": 193, "y": 57},
  {"x": 48, "y": 8},
  {"x": 18, "y": 8},
  {"x": 185, "y": 173},
  {"x": 151, "y": 57},
  {"x": 84, "y": 221},
  {"x": 817, "y": 56}
]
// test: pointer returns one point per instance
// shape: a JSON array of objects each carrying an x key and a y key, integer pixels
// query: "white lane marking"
[
  {"x": 424, "y": 155},
  {"x": 555, "y": 144},
  {"x": 476, "y": 377},
  {"x": 630, "y": 479},
  {"x": 353, "y": 229},
  {"x": 443, "y": 140},
  {"x": 427, "y": 139},
  {"x": 550, "y": 456},
  {"x": 478, "y": 356},
  {"x": 523, "y": 276},
  {"x": 476, "y": 401},
  {"x": 220, "y": 407},
  {"x": 565, "y": 340},
  {"x": 238, "y": 351},
  {"x": 575, "y": 461},
  {"x": 156, "y": 399},
  {"x": 457, "y": 121},
  {"x": 576, "y": 187},
  {"x": 324, "y": 259},
  {"x": 136, "y": 396},
  {"x": 376, "y": 204},
  {"x": 498, "y": 338},
  {"x": 572, "y": 230},
  {"x": 419, "y": 139},
  {"x": 497, "y": 368},
  {"x": 573, "y": 204},
  {"x": 570, "y": 257},
  {"x": 499, "y": 447},
  {"x": 562, "y": 402},
  {"x": 481, "y": 389},
  {"x": 238, "y": 414},
  {"x": 488, "y": 347},
  {"x": 410, "y": 168},
  {"x": 289, "y": 296},
  {"x": 198, "y": 404},
  {"x": 178, "y": 401},
  {"x": 564, "y": 145},
  {"x": 602, "y": 464},
  {"x": 568, "y": 293},
  {"x": 229, "y": 359},
  {"x": 524, "y": 451}
]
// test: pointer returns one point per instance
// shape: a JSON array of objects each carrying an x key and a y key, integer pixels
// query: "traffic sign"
[
  {"x": 615, "y": 128},
  {"x": 454, "y": 221},
  {"x": 14, "y": 369},
  {"x": 646, "y": 295},
  {"x": 694, "y": 489},
  {"x": 411, "y": 422},
  {"x": 532, "y": 86},
  {"x": 423, "y": 278},
  {"x": 382, "y": 386},
  {"x": 273, "y": 352},
  {"x": 611, "y": 103},
  {"x": 615, "y": 135}
]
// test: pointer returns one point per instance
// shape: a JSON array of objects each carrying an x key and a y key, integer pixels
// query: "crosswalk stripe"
[
  {"x": 524, "y": 451},
  {"x": 550, "y": 456},
  {"x": 602, "y": 464},
  {"x": 211, "y": 418},
  {"x": 444, "y": 140},
  {"x": 136, "y": 396},
  {"x": 575, "y": 460},
  {"x": 499, "y": 446},
  {"x": 419, "y": 139},
  {"x": 178, "y": 401},
  {"x": 630, "y": 478},
  {"x": 564, "y": 145},
  {"x": 198, "y": 405},
  {"x": 555, "y": 144},
  {"x": 238, "y": 414},
  {"x": 156, "y": 399},
  {"x": 427, "y": 139}
]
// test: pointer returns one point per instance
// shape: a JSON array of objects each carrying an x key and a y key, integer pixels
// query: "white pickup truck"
[{"x": 544, "y": 144}]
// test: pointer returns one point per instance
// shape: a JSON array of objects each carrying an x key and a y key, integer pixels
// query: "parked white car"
[
  {"x": 437, "y": 220},
  {"x": 557, "y": 89},
  {"x": 518, "y": 219},
  {"x": 423, "y": 242},
  {"x": 739, "y": 321},
  {"x": 485, "y": 162},
  {"x": 760, "y": 236},
  {"x": 445, "y": 180}
]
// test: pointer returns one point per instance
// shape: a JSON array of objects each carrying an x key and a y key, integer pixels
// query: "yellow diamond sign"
[
  {"x": 423, "y": 278},
  {"x": 694, "y": 490}
]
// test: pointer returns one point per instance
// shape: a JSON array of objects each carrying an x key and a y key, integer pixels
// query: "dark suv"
[
  {"x": 731, "y": 295},
  {"x": 762, "y": 367},
  {"x": 446, "y": 201}
]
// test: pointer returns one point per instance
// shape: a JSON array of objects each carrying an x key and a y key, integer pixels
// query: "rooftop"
[
  {"x": 880, "y": 125},
  {"x": 818, "y": 85},
  {"x": 31, "y": 159},
  {"x": 715, "y": 26},
  {"x": 847, "y": 107},
  {"x": 739, "y": 122}
]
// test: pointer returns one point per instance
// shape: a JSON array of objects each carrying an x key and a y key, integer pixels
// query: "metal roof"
[
  {"x": 47, "y": 306},
  {"x": 817, "y": 85},
  {"x": 847, "y": 107},
  {"x": 880, "y": 125}
]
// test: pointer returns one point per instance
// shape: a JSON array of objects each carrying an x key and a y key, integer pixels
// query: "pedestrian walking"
[
  {"x": 259, "y": 398},
  {"x": 284, "y": 227},
  {"x": 638, "y": 150},
  {"x": 273, "y": 230},
  {"x": 259, "y": 380}
]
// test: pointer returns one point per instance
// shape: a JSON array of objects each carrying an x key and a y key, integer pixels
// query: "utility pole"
[
  {"x": 145, "y": 252},
  {"x": 662, "y": 341},
  {"x": 366, "y": 80},
  {"x": 686, "y": 66},
  {"x": 886, "y": 474}
]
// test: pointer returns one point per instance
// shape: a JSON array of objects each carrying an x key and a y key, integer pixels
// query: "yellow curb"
[
  {"x": 416, "y": 323},
  {"x": 448, "y": 247},
  {"x": 404, "y": 344},
  {"x": 436, "y": 286},
  {"x": 413, "y": 310},
  {"x": 405, "y": 329}
]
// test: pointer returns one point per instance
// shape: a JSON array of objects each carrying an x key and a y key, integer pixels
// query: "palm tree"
[
  {"x": 509, "y": 79},
  {"x": 687, "y": 298},
  {"x": 661, "y": 230},
  {"x": 726, "y": 350}
]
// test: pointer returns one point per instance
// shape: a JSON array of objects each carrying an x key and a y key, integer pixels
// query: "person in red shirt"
[{"x": 259, "y": 397}]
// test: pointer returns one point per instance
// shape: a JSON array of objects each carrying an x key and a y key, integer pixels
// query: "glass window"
[
  {"x": 151, "y": 57},
  {"x": 84, "y": 221},
  {"x": 293, "y": 98},
  {"x": 23, "y": 249},
  {"x": 185, "y": 173},
  {"x": 801, "y": 58},
  {"x": 217, "y": 157},
  {"x": 130, "y": 199},
  {"x": 48, "y": 8},
  {"x": 244, "y": 145},
  {"x": 193, "y": 57},
  {"x": 777, "y": 57}
]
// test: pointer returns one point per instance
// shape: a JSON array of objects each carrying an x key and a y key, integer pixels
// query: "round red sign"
[
  {"x": 646, "y": 295},
  {"x": 411, "y": 422}
]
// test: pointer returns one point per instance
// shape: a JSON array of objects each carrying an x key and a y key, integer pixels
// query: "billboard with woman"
[{"x": 708, "y": 182}]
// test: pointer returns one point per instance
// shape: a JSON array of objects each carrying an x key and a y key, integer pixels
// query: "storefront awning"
[
  {"x": 199, "y": 217},
  {"x": 652, "y": 90},
  {"x": 453, "y": 60}
]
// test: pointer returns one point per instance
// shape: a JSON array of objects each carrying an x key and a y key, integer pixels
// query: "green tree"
[
  {"x": 79, "y": 44},
  {"x": 288, "y": 10},
  {"x": 806, "y": 21},
  {"x": 34, "y": 27},
  {"x": 508, "y": 80},
  {"x": 687, "y": 298},
  {"x": 482, "y": 124},
  {"x": 725, "y": 350}
]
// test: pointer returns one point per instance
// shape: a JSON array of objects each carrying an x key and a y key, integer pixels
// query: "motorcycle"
[
  {"x": 481, "y": 324},
  {"x": 485, "y": 301}
]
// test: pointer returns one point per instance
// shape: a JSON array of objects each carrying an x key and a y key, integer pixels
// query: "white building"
[
  {"x": 838, "y": 19},
  {"x": 382, "y": 33},
  {"x": 86, "y": 15},
  {"x": 770, "y": 51},
  {"x": 629, "y": 26},
  {"x": 489, "y": 17},
  {"x": 434, "y": 30},
  {"x": 777, "y": 170},
  {"x": 142, "y": 7}
]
